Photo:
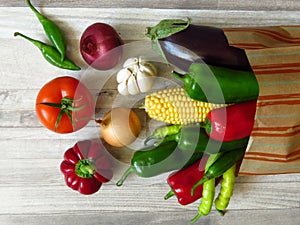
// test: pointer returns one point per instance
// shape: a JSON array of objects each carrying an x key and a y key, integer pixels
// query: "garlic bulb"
[{"x": 136, "y": 76}]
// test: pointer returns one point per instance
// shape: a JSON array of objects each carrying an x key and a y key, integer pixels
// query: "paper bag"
[{"x": 274, "y": 55}]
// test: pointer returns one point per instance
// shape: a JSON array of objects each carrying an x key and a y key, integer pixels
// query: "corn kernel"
[{"x": 176, "y": 107}]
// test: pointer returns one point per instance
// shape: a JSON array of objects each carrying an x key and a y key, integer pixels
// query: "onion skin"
[
  {"x": 100, "y": 46},
  {"x": 120, "y": 127}
]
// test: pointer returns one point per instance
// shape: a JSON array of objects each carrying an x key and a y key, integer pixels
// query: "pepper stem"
[
  {"x": 37, "y": 13},
  {"x": 170, "y": 194},
  {"x": 84, "y": 168},
  {"x": 196, "y": 218},
  {"x": 206, "y": 125},
  {"x": 125, "y": 175},
  {"x": 37, "y": 43},
  {"x": 203, "y": 179},
  {"x": 179, "y": 76}
]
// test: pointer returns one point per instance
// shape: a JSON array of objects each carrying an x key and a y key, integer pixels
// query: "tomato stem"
[{"x": 66, "y": 107}]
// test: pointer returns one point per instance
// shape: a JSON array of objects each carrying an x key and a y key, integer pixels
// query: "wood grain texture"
[
  {"x": 178, "y": 217},
  {"x": 32, "y": 189},
  {"x": 268, "y": 5}
]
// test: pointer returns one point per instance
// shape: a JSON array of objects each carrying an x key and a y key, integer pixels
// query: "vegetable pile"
[{"x": 208, "y": 121}]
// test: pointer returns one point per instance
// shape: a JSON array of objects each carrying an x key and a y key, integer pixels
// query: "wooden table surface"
[{"x": 32, "y": 189}]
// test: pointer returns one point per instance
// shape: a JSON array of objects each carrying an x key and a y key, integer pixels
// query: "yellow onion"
[{"x": 120, "y": 126}]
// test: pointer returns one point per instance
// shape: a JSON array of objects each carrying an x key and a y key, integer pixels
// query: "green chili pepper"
[
  {"x": 53, "y": 32},
  {"x": 208, "y": 195},
  {"x": 208, "y": 192},
  {"x": 226, "y": 190},
  {"x": 220, "y": 166},
  {"x": 219, "y": 84},
  {"x": 164, "y": 131},
  {"x": 51, "y": 54},
  {"x": 194, "y": 138},
  {"x": 152, "y": 161}
]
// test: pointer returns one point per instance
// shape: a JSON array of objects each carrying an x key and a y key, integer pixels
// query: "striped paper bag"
[{"x": 274, "y": 55}]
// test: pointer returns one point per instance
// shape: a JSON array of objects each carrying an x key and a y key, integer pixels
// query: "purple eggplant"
[{"x": 181, "y": 43}]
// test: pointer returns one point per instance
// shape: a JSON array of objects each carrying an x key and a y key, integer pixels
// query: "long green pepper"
[
  {"x": 208, "y": 192},
  {"x": 226, "y": 191},
  {"x": 51, "y": 54},
  {"x": 221, "y": 165},
  {"x": 53, "y": 32},
  {"x": 208, "y": 195}
]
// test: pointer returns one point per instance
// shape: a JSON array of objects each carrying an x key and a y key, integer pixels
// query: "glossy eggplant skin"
[
  {"x": 181, "y": 43},
  {"x": 202, "y": 44}
]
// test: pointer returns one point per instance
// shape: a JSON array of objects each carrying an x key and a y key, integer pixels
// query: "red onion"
[{"x": 99, "y": 46}]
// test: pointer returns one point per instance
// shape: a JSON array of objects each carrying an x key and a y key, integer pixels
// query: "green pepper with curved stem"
[
  {"x": 153, "y": 161},
  {"x": 208, "y": 192},
  {"x": 220, "y": 166},
  {"x": 53, "y": 32},
  {"x": 51, "y": 54},
  {"x": 208, "y": 195},
  {"x": 193, "y": 138},
  {"x": 215, "y": 84}
]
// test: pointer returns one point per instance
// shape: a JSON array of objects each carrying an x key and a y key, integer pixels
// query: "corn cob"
[{"x": 174, "y": 106}]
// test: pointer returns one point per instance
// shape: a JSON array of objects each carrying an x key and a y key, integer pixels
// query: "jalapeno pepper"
[
  {"x": 183, "y": 180},
  {"x": 232, "y": 122},
  {"x": 193, "y": 138},
  {"x": 156, "y": 160},
  {"x": 181, "y": 43},
  {"x": 219, "y": 84}
]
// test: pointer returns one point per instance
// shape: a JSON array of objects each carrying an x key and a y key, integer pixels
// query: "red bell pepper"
[
  {"x": 86, "y": 166},
  {"x": 182, "y": 181},
  {"x": 232, "y": 122}
]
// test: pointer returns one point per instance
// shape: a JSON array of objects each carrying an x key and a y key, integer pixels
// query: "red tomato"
[{"x": 64, "y": 105}]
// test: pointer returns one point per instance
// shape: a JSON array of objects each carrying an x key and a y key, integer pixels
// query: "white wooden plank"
[
  {"x": 61, "y": 199},
  {"x": 131, "y": 22},
  {"x": 31, "y": 70},
  {"x": 197, "y": 4},
  {"x": 43, "y": 169},
  {"x": 179, "y": 217}
]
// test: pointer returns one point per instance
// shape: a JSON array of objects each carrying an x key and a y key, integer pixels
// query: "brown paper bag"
[{"x": 274, "y": 55}]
